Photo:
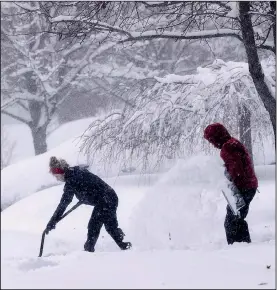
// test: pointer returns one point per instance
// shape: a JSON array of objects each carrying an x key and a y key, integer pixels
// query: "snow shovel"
[
  {"x": 237, "y": 205},
  {"x": 44, "y": 232}
]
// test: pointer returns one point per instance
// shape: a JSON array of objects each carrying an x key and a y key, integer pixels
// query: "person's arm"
[
  {"x": 64, "y": 202},
  {"x": 232, "y": 159}
]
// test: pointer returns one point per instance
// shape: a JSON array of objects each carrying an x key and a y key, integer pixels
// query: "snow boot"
[
  {"x": 125, "y": 245},
  {"x": 88, "y": 247},
  {"x": 118, "y": 237}
]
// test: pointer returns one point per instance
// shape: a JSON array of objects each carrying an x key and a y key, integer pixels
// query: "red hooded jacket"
[{"x": 235, "y": 156}]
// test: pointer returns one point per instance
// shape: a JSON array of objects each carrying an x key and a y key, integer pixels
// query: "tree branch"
[
  {"x": 111, "y": 92},
  {"x": 197, "y": 35},
  {"x": 23, "y": 106},
  {"x": 267, "y": 47},
  {"x": 15, "y": 117},
  {"x": 162, "y": 4},
  {"x": 26, "y": 9},
  {"x": 94, "y": 23}
]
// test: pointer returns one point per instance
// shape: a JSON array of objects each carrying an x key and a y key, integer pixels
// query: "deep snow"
[
  {"x": 185, "y": 201},
  {"x": 174, "y": 220}
]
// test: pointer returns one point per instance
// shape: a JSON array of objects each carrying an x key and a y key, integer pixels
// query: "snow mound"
[
  {"x": 31, "y": 175},
  {"x": 181, "y": 209},
  {"x": 186, "y": 209}
]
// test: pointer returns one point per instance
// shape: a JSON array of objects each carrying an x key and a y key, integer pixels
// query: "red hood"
[{"x": 217, "y": 134}]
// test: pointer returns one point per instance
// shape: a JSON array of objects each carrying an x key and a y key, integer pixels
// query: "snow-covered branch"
[
  {"x": 135, "y": 36},
  {"x": 167, "y": 119}
]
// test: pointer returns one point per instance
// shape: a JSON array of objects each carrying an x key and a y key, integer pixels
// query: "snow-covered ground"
[
  {"x": 185, "y": 202},
  {"x": 243, "y": 267},
  {"x": 174, "y": 220}
]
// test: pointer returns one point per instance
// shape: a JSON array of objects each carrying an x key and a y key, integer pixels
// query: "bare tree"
[{"x": 39, "y": 71}]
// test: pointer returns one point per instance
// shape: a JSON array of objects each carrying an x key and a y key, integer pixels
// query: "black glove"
[{"x": 50, "y": 226}]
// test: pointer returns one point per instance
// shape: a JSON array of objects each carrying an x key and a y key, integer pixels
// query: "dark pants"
[
  {"x": 236, "y": 228},
  {"x": 103, "y": 214}
]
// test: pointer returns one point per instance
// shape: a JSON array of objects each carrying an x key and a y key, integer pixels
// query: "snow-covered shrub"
[{"x": 167, "y": 121}]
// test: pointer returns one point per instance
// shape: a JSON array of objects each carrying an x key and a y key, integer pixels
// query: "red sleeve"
[{"x": 232, "y": 158}]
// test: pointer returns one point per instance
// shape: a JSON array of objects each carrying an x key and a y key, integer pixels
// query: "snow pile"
[
  {"x": 186, "y": 208},
  {"x": 26, "y": 177},
  {"x": 183, "y": 208}
]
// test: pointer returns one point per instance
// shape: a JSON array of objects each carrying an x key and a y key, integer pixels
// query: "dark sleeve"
[
  {"x": 232, "y": 159},
  {"x": 64, "y": 202}
]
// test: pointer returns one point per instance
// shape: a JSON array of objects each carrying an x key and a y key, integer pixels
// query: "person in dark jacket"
[
  {"x": 90, "y": 190},
  {"x": 240, "y": 171}
]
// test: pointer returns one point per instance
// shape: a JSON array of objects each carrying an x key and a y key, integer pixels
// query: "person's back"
[
  {"x": 239, "y": 164},
  {"x": 235, "y": 156},
  {"x": 88, "y": 187}
]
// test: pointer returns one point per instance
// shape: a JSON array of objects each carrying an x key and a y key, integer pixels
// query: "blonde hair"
[{"x": 58, "y": 163}]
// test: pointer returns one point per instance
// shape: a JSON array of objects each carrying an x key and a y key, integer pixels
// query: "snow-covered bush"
[{"x": 167, "y": 121}]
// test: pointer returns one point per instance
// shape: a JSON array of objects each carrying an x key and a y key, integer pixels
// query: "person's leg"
[
  {"x": 94, "y": 228},
  {"x": 111, "y": 226},
  {"x": 243, "y": 234},
  {"x": 230, "y": 225}
]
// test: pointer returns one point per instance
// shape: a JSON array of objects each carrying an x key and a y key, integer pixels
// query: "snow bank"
[
  {"x": 186, "y": 209},
  {"x": 26, "y": 177},
  {"x": 32, "y": 175}
]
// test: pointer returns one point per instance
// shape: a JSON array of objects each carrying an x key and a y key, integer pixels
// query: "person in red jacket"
[{"x": 240, "y": 171}]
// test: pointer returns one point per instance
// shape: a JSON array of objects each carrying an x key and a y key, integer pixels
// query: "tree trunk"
[
  {"x": 39, "y": 139},
  {"x": 255, "y": 67},
  {"x": 245, "y": 128},
  {"x": 273, "y": 12}
]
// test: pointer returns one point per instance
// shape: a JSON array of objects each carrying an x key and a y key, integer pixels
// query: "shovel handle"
[
  {"x": 42, "y": 243},
  {"x": 44, "y": 232}
]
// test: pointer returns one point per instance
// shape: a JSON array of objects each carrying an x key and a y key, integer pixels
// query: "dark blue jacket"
[{"x": 87, "y": 187}]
